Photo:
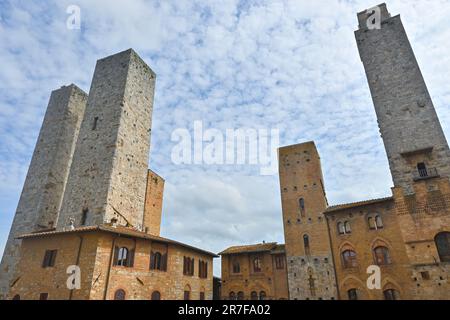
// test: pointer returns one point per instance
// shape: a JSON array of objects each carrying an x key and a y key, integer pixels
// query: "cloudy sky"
[{"x": 287, "y": 65}]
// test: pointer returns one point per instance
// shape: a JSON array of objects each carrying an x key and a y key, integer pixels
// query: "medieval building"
[
  {"x": 406, "y": 237},
  {"x": 90, "y": 202}
]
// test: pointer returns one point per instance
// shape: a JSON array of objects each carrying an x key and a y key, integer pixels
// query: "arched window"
[
  {"x": 349, "y": 259},
  {"x": 352, "y": 294},
  {"x": 187, "y": 292},
  {"x": 232, "y": 295},
  {"x": 122, "y": 257},
  {"x": 382, "y": 256},
  {"x": 379, "y": 222},
  {"x": 202, "y": 293},
  {"x": 442, "y": 241},
  {"x": 391, "y": 294},
  {"x": 119, "y": 295},
  {"x": 306, "y": 244},
  {"x": 341, "y": 228},
  {"x": 16, "y": 297},
  {"x": 240, "y": 295},
  {"x": 262, "y": 295},
  {"x": 257, "y": 265},
  {"x": 348, "y": 229},
  {"x": 254, "y": 295},
  {"x": 236, "y": 267},
  {"x": 156, "y": 295}
]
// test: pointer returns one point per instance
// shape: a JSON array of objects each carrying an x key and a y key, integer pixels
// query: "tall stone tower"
[
  {"x": 412, "y": 135},
  {"x": 309, "y": 261},
  {"x": 417, "y": 150},
  {"x": 46, "y": 179},
  {"x": 107, "y": 180}
]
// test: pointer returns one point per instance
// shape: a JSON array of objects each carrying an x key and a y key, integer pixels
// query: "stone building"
[
  {"x": 46, "y": 179},
  {"x": 90, "y": 201},
  {"x": 407, "y": 235},
  {"x": 332, "y": 250},
  {"x": 254, "y": 272}
]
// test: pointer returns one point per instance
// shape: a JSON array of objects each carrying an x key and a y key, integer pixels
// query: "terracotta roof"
[
  {"x": 261, "y": 247},
  {"x": 356, "y": 204},
  {"x": 117, "y": 230}
]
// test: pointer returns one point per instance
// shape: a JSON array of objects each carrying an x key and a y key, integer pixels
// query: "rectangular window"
[
  {"x": 188, "y": 266},
  {"x": 84, "y": 217},
  {"x": 279, "y": 262},
  {"x": 202, "y": 269},
  {"x": 202, "y": 296},
  {"x": 94, "y": 126},
  {"x": 43, "y": 296},
  {"x": 49, "y": 258}
]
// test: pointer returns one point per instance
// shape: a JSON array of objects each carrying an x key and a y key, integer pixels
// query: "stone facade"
[
  {"x": 407, "y": 235},
  {"x": 258, "y": 269},
  {"x": 153, "y": 203},
  {"x": 408, "y": 121},
  {"x": 90, "y": 197},
  {"x": 303, "y": 200},
  {"x": 93, "y": 250},
  {"x": 109, "y": 173},
  {"x": 44, "y": 186}
]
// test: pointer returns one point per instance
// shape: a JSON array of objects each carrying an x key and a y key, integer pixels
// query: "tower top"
[{"x": 363, "y": 16}]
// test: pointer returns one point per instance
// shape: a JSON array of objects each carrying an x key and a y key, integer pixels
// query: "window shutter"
[
  {"x": 184, "y": 265},
  {"x": 192, "y": 267},
  {"x": 206, "y": 270},
  {"x": 46, "y": 259},
  {"x": 116, "y": 256},
  {"x": 164, "y": 262},
  {"x": 152, "y": 260},
  {"x": 131, "y": 258},
  {"x": 52, "y": 257}
]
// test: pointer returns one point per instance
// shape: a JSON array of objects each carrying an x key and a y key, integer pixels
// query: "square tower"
[
  {"x": 308, "y": 252},
  {"x": 47, "y": 175},
  {"x": 413, "y": 137},
  {"x": 108, "y": 177}
]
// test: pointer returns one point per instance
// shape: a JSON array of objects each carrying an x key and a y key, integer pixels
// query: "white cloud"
[{"x": 291, "y": 65}]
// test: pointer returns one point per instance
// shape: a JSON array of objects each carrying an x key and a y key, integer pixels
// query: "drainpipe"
[
  {"x": 77, "y": 262},
  {"x": 334, "y": 261}
]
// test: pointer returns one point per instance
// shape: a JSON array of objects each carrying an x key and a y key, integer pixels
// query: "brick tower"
[
  {"x": 44, "y": 186},
  {"x": 108, "y": 177},
  {"x": 308, "y": 254},
  {"x": 415, "y": 143},
  {"x": 417, "y": 151}
]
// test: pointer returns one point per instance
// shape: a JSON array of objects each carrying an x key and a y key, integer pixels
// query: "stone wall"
[
  {"x": 271, "y": 280},
  {"x": 407, "y": 119},
  {"x": 46, "y": 179},
  {"x": 99, "y": 279},
  {"x": 109, "y": 171},
  {"x": 153, "y": 203}
]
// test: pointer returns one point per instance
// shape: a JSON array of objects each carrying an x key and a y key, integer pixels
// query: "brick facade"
[{"x": 242, "y": 275}]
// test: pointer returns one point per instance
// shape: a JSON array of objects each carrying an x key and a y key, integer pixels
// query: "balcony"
[{"x": 425, "y": 173}]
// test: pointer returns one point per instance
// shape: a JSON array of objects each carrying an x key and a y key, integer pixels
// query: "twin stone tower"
[{"x": 90, "y": 162}]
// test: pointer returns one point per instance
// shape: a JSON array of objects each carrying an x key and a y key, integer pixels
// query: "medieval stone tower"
[
  {"x": 308, "y": 254},
  {"x": 412, "y": 135},
  {"x": 107, "y": 180},
  {"x": 45, "y": 183},
  {"x": 416, "y": 147}
]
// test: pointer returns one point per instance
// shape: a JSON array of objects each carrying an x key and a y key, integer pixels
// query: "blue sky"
[{"x": 291, "y": 65}]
